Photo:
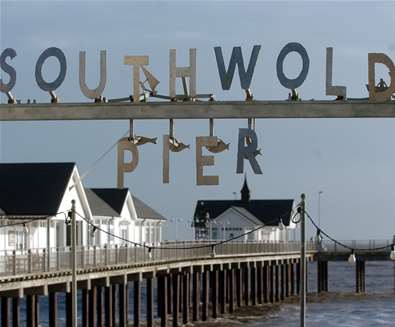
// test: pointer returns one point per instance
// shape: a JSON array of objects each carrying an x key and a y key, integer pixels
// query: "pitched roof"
[
  {"x": 33, "y": 189},
  {"x": 144, "y": 211},
  {"x": 114, "y": 198},
  {"x": 269, "y": 212},
  {"x": 98, "y": 206},
  {"x": 245, "y": 213}
]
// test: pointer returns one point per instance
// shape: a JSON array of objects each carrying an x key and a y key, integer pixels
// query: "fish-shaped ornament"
[
  {"x": 140, "y": 140},
  {"x": 176, "y": 146},
  {"x": 221, "y": 146}
]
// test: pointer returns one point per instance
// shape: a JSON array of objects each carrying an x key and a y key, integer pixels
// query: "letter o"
[
  {"x": 58, "y": 54},
  {"x": 298, "y": 81}
]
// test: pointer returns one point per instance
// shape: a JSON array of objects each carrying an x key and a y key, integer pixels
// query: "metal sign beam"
[{"x": 197, "y": 110}]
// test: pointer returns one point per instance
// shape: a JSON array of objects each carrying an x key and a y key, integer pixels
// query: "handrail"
[{"x": 23, "y": 262}]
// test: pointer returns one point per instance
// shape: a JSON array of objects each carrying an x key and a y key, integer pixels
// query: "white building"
[
  {"x": 35, "y": 199},
  {"x": 118, "y": 212},
  {"x": 40, "y": 194},
  {"x": 256, "y": 220}
]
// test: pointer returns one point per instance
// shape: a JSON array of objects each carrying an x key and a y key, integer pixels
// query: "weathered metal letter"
[
  {"x": 8, "y": 69},
  {"x": 331, "y": 89},
  {"x": 58, "y": 54},
  {"x": 201, "y": 160},
  {"x": 226, "y": 76},
  {"x": 380, "y": 58},
  {"x": 288, "y": 83},
  {"x": 97, "y": 92},
  {"x": 125, "y": 145},
  {"x": 136, "y": 62},
  {"x": 189, "y": 71},
  {"x": 247, "y": 152}
]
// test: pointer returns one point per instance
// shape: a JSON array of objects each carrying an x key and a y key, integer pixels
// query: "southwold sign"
[
  {"x": 225, "y": 75},
  {"x": 247, "y": 141}
]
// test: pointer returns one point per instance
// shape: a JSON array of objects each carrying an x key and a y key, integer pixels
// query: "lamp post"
[
  {"x": 302, "y": 262},
  {"x": 73, "y": 267}
]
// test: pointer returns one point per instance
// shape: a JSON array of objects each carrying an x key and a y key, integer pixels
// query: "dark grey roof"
[
  {"x": 144, "y": 211},
  {"x": 113, "y": 197},
  {"x": 98, "y": 206},
  {"x": 33, "y": 189},
  {"x": 267, "y": 211}
]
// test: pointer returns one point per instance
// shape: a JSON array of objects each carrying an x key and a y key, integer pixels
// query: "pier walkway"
[{"x": 190, "y": 278}]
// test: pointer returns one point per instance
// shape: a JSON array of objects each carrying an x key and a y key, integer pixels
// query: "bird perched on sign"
[
  {"x": 221, "y": 146},
  {"x": 176, "y": 146}
]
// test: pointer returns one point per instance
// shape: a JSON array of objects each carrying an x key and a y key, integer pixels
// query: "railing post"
[
  {"x": 14, "y": 262},
  {"x": 29, "y": 261},
  {"x": 44, "y": 260},
  {"x": 94, "y": 256},
  {"x": 57, "y": 259},
  {"x": 105, "y": 255},
  {"x": 116, "y": 254},
  {"x": 82, "y": 256}
]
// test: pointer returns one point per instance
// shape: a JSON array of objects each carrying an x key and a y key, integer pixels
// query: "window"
[{"x": 11, "y": 238}]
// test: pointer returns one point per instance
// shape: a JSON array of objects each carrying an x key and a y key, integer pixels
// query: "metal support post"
[
  {"x": 73, "y": 267},
  {"x": 303, "y": 262}
]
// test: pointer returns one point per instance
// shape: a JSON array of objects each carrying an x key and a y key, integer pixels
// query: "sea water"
[{"x": 341, "y": 307}]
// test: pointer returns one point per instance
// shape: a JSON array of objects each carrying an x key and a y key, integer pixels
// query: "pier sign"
[
  {"x": 226, "y": 72},
  {"x": 141, "y": 90}
]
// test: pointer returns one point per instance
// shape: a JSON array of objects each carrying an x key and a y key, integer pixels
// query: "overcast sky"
[{"x": 351, "y": 161}]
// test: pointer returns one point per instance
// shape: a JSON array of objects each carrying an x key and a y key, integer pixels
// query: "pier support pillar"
[
  {"x": 282, "y": 282},
  {"x": 205, "y": 284},
  {"x": 222, "y": 290},
  {"x": 150, "y": 302},
  {"x": 31, "y": 311},
  {"x": 136, "y": 303},
  {"x": 287, "y": 279},
  {"x": 16, "y": 312},
  {"x": 52, "y": 310},
  {"x": 271, "y": 283},
  {"x": 292, "y": 278},
  {"x": 99, "y": 303},
  {"x": 85, "y": 308},
  {"x": 230, "y": 275},
  {"x": 259, "y": 280},
  {"x": 253, "y": 283},
  {"x": 298, "y": 277},
  {"x": 5, "y": 312},
  {"x": 265, "y": 282},
  {"x": 114, "y": 304},
  {"x": 92, "y": 307},
  {"x": 246, "y": 285},
  {"x": 123, "y": 291},
  {"x": 277, "y": 282},
  {"x": 108, "y": 306},
  {"x": 185, "y": 297},
  {"x": 162, "y": 299},
  {"x": 195, "y": 294},
  {"x": 360, "y": 276},
  {"x": 322, "y": 276},
  {"x": 214, "y": 292},
  {"x": 239, "y": 288},
  {"x": 169, "y": 293},
  {"x": 175, "y": 280}
]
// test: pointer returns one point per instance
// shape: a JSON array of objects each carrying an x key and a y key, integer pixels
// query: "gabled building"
[
  {"x": 35, "y": 199},
  {"x": 40, "y": 194},
  {"x": 263, "y": 220},
  {"x": 120, "y": 213}
]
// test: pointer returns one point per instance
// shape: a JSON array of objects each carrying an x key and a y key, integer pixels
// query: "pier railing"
[
  {"x": 21, "y": 262},
  {"x": 382, "y": 246}
]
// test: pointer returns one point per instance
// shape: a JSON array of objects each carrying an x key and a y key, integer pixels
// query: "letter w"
[{"x": 236, "y": 59}]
